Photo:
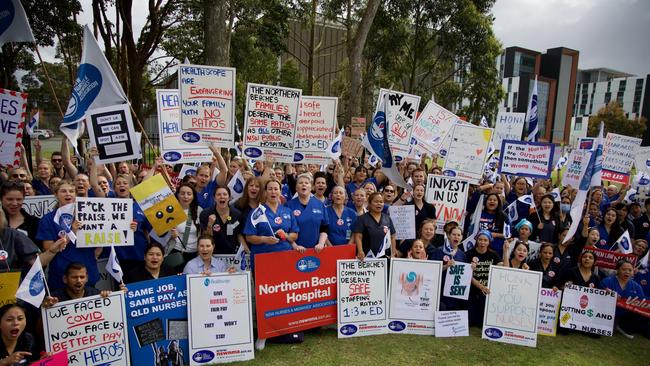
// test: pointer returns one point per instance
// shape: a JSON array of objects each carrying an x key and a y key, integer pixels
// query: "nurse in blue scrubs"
[
  {"x": 310, "y": 215},
  {"x": 341, "y": 219},
  {"x": 271, "y": 227}
]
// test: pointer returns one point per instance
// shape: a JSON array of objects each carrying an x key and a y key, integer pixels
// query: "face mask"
[{"x": 565, "y": 207}]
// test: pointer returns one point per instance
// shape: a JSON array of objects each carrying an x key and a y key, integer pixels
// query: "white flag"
[
  {"x": 236, "y": 186},
  {"x": 14, "y": 26},
  {"x": 113, "y": 266},
  {"x": 64, "y": 217},
  {"x": 96, "y": 86},
  {"x": 32, "y": 289},
  {"x": 385, "y": 245},
  {"x": 474, "y": 226},
  {"x": 527, "y": 199},
  {"x": 335, "y": 148},
  {"x": 33, "y": 123},
  {"x": 556, "y": 195},
  {"x": 624, "y": 243},
  {"x": 241, "y": 256}
]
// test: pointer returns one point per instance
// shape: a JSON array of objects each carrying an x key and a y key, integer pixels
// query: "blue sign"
[{"x": 147, "y": 301}]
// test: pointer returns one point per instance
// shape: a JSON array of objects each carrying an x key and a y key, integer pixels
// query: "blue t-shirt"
[
  {"x": 282, "y": 219},
  {"x": 136, "y": 251},
  {"x": 488, "y": 222},
  {"x": 632, "y": 289},
  {"x": 206, "y": 196},
  {"x": 48, "y": 229},
  {"x": 643, "y": 279},
  {"x": 340, "y": 228},
  {"x": 309, "y": 218},
  {"x": 604, "y": 237},
  {"x": 40, "y": 188}
]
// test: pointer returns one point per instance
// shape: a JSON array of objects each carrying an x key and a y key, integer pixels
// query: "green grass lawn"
[{"x": 321, "y": 347}]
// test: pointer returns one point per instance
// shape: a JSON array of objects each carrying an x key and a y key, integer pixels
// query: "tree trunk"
[
  {"x": 312, "y": 52},
  {"x": 216, "y": 39},
  {"x": 355, "y": 51}
]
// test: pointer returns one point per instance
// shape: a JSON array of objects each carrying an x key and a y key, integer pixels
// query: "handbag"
[{"x": 176, "y": 259}]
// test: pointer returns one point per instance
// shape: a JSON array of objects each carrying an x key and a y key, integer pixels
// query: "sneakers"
[
  {"x": 260, "y": 343},
  {"x": 624, "y": 333}
]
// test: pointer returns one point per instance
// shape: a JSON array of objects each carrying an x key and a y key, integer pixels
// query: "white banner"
[
  {"x": 452, "y": 324},
  {"x": 12, "y": 122},
  {"x": 576, "y": 167},
  {"x": 467, "y": 151},
  {"x": 38, "y": 206},
  {"x": 619, "y": 152},
  {"x": 207, "y": 104},
  {"x": 549, "y": 306},
  {"x": 508, "y": 126},
  {"x": 458, "y": 281},
  {"x": 110, "y": 130},
  {"x": 431, "y": 129},
  {"x": 511, "y": 308},
  {"x": 414, "y": 292},
  {"x": 403, "y": 221},
  {"x": 401, "y": 112},
  {"x": 173, "y": 149},
  {"x": 315, "y": 129},
  {"x": 104, "y": 222},
  {"x": 362, "y": 300},
  {"x": 219, "y": 317},
  {"x": 526, "y": 159},
  {"x": 270, "y": 122},
  {"x": 642, "y": 159},
  {"x": 449, "y": 196},
  {"x": 588, "y": 310},
  {"x": 91, "y": 329}
]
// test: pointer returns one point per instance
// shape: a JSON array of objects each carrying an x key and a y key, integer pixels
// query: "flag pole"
[{"x": 49, "y": 81}]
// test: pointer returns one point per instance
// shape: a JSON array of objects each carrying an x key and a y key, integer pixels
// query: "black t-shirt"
[
  {"x": 16, "y": 250},
  {"x": 25, "y": 343},
  {"x": 482, "y": 270},
  {"x": 139, "y": 273},
  {"x": 224, "y": 234},
  {"x": 550, "y": 274},
  {"x": 62, "y": 295},
  {"x": 427, "y": 211},
  {"x": 373, "y": 232},
  {"x": 574, "y": 276}
]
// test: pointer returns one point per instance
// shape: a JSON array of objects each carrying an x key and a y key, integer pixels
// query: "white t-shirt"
[{"x": 193, "y": 237}]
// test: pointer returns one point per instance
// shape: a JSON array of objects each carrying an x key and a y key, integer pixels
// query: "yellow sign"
[
  {"x": 8, "y": 287},
  {"x": 159, "y": 204}
]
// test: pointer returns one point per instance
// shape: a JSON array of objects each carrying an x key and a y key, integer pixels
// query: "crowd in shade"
[{"x": 308, "y": 206}]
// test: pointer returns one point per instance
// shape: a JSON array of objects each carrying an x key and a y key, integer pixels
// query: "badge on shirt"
[
  {"x": 339, "y": 222},
  {"x": 645, "y": 225},
  {"x": 445, "y": 258},
  {"x": 216, "y": 227},
  {"x": 230, "y": 229},
  {"x": 643, "y": 282},
  {"x": 556, "y": 259},
  {"x": 3, "y": 255},
  {"x": 475, "y": 259},
  {"x": 278, "y": 220},
  {"x": 296, "y": 213},
  {"x": 551, "y": 274}
]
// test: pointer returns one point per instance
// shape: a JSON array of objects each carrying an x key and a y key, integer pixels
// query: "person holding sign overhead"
[
  {"x": 310, "y": 215},
  {"x": 341, "y": 219},
  {"x": 371, "y": 229}
]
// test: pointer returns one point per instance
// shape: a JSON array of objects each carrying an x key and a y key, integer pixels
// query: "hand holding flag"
[{"x": 33, "y": 287}]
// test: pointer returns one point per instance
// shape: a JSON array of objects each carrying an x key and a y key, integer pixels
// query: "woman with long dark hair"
[
  {"x": 13, "y": 196},
  {"x": 184, "y": 236},
  {"x": 546, "y": 222},
  {"x": 609, "y": 229},
  {"x": 493, "y": 220}
]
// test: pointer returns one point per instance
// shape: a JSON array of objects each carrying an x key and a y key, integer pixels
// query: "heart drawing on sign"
[{"x": 479, "y": 151}]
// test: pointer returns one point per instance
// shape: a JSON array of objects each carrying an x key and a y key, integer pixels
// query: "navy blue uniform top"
[
  {"x": 48, "y": 229},
  {"x": 136, "y": 252},
  {"x": 257, "y": 225},
  {"x": 311, "y": 218},
  {"x": 340, "y": 228},
  {"x": 206, "y": 196},
  {"x": 40, "y": 188}
]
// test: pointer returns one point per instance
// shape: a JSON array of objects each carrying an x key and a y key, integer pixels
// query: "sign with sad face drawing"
[{"x": 159, "y": 204}]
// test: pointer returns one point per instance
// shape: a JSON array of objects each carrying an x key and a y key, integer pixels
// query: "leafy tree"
[{"x": 615, "y": 121}]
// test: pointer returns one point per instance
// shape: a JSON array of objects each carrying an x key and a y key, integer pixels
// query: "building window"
[
  {"x": 578, "y": 125},
  {"x": 608, "y": 97}
]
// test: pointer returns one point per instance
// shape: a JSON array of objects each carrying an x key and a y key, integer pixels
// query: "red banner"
[
  {"x": 608, "y": 259},
  {"x": 294, "y": 291},
  {"x": 57, "y": 359},
  {"x": 634, "y": 304},
  {"x": 615, "y": 177}
]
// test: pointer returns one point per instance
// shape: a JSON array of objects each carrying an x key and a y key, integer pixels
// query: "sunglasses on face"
[
  {"x": 18, "y": 175},
  {"x": 57, "y": 160},
  {"x": 389, "y": 191}
]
